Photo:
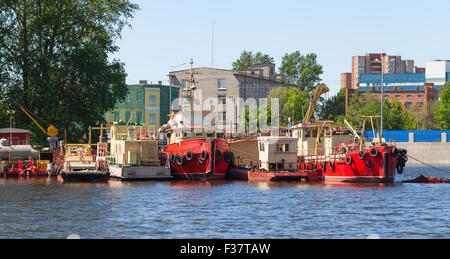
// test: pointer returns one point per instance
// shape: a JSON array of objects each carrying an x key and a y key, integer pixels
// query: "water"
[{"x": 42, "y": 208}]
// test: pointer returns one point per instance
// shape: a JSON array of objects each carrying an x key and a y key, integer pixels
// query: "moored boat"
[
  {"x": 132, "y": 154},
  {"x": 79, "y": 165},
  {"x": 276, "y": 161}
]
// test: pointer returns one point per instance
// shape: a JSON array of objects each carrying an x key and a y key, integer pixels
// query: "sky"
[{"x": 167, "y": 33}]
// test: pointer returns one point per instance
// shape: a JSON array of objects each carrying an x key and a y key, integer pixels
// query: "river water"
[{"x": 43, "y": 208}]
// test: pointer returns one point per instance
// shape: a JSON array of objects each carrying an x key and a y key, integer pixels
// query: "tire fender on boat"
[
  {"x": 331, "y": 166},
  {"x": 204, "y": 155},
  {"x": 362, "y": 155},
  {"x": 349, "y": 160},
  {"x": 180, "y": 160},
  {"x": 374, "y": 152},
  {"x": 227, "y": 156},
  {"x": 218, "y": 155},
  {"x": 189, "y": 155}
]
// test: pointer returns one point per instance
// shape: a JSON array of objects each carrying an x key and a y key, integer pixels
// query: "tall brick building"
[{"x": 370, "y": 64}]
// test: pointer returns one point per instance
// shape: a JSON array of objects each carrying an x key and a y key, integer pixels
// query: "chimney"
[{"x": 142, "y": 82}]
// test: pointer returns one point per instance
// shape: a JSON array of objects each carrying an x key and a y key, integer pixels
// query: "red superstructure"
[{"x": 199, "y": 159}]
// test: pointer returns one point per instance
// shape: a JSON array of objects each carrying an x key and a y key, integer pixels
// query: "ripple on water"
[{"x": 31, "y": 209}]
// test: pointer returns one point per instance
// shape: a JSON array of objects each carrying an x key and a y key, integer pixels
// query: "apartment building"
[
  {"x": 145, "y": 103},
  {"x": 229, "y": 85}
]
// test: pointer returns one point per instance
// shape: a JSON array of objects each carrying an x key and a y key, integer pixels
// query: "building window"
[
  {"x": 271, "y": 71},
  {"x": 116, "y": 116},
  {"x": 408, "y": 105},
  {"x": 139, "y": 96},
  {"x": 152, "y": 119},
  {"x": 420, "y": 95},
  {"x": 128, "y": 98},
  {"x": 127, "y": 116},
  {"x": 138, "y": 116},
  {"x": 185, "y": 84},
  {"x": 409, "y": 96},
  {"x": 221, "y": 84},
  {"x": 222, "y": 99},
  {"x": 398, "y": 96},
  {"x": 222, "y": 117},
  {"x": 420, "y": 105},
  {"x": 152, "y": 100}
]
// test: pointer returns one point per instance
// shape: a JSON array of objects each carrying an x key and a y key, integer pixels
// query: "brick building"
[{"x": 370, "y": 64}]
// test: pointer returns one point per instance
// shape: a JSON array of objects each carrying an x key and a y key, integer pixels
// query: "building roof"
[{"x": 14, "y": 130}]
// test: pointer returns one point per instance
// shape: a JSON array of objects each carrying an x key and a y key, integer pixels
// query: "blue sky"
[{"x": 167, "y": 33}]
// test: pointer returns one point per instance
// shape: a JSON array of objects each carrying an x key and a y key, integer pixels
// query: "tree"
[
  {"x": 248, "y": 59},
  {"x": 55, "y": 58},
  {"x": 442, "y": 113},
  {"x": 334, "y": 107},
  {"x": 301, "y": 70},
  {"x": 293, "y": 103},
  {"x": 395, "y": 118}
]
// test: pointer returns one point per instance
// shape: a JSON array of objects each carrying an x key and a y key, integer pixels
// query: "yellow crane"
[
  {"x": 51, "y": 130},
  {"x": 320, "y": 89}
]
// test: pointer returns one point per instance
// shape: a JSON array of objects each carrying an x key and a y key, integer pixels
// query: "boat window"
[
  {"x": 187, "y": 133},
  {"x": 210, "y": 134},
  {"x": 261, "y": 147},
  {"x": 282, "y": 147},
  {"x": 199, "y": 134}
]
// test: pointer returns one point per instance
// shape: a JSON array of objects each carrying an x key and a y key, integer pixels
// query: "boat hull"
[
  {"x": 83, "y": 177},
  {"x": 140, "y": 173},
  {"x": 379, "y": 168},
  {"x": 246, "y": 175},
  {"x": 213, "y": 167}
]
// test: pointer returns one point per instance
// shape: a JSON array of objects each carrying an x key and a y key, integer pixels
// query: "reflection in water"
[{"x": 43, "y": 208}]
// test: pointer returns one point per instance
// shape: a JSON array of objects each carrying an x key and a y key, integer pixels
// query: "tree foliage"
[
  {"x": 395, "y": 118},
  {"x": 334, "y": 107},
  {"x": 293, "y": 103},
  {"x": 248, "y": 59},
  {"x": 301, "y": 70},
  {"x": 54, "y": 59},
  {"x": 442, "y": 113}
]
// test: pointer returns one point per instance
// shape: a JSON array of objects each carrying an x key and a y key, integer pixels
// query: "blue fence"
[{"x": 403, "y": 136}]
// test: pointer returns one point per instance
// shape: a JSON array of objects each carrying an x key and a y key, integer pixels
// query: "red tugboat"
[
  {"x": 195, "y": 152},
  {"x": 351, "y": 161}
]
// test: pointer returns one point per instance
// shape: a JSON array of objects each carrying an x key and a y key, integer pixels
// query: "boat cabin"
[
  {"x": 277, "y": 153},
  {"x": 131, "y": 145}
]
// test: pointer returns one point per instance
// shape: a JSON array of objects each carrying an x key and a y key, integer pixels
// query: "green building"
[{"x": 145, "y": 103}]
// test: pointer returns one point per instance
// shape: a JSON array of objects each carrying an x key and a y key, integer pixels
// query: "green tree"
[
  {"x": 442, "y": 113},
  {"x": 248, "y": 59},
  {"x": 334, "y": 107},
  {"x": 301, "y": 70},
  {"x": 395, "y": 118},
  {"x": 293, "y": 103},
  {"x": 55, "y": 58}
]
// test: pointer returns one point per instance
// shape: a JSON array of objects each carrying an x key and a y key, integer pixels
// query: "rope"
[{"x": 442, "y": 170}]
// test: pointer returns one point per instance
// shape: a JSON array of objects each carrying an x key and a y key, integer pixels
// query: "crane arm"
[
  {"x": 43, "y": 130},
  {"x": 51, "y": 131},
  {"x": 320, "y": 89}
]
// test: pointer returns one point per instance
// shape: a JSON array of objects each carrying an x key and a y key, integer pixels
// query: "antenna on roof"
[{"x": 212, "y": 45}]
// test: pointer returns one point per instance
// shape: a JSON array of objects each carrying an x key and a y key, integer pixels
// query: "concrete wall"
[{"x": 430, "y": 153}]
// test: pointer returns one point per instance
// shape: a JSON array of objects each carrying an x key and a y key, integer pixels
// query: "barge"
[
  {"x": 79, "y": 165},
  {"x": 132, "y": 154}
]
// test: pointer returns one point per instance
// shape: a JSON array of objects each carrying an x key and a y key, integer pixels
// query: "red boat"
[
  {"x": 352, "y": 161},
  {"x": 375, "y": 165}
]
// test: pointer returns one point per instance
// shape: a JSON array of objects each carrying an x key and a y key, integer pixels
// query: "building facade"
[
  {"x": 228, "y": 85},
  {"x": 145, "y": 103},
  {"x": 371, "y": 64}
]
